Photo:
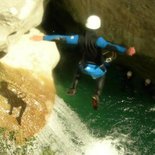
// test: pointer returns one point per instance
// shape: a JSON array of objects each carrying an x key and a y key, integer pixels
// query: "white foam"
[{"x": 68, "y": 135}]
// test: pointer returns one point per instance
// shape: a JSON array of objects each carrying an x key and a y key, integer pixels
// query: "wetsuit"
[
  {"x": 91, "y": 47},
  {"x": 92, "y": 62}
]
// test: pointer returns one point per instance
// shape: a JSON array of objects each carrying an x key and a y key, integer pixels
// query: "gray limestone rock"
[{"x": 16, "y": 18}]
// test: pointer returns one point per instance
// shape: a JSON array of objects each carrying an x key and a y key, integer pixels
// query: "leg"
[
  {"x": 72, "y": 90},
  {"x": 23, "y": 107},
  {"x": 96, "y": 96},
  {"x": 11, "y": 109}
]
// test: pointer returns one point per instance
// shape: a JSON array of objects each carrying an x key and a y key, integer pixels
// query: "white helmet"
[
  {"x": 147, "y": 81},
  {"x": 129, "y": 74},
  {"x": 93, "y": 22}
]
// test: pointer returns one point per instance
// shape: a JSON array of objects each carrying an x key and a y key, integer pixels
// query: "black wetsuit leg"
[
  {"x": 96, "y": 97},
  {"x": 99, "y": 85},
  {"x": 73, "y": 88}
]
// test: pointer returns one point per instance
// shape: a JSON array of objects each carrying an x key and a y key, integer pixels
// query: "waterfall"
[{"x": 66, "y": 134}]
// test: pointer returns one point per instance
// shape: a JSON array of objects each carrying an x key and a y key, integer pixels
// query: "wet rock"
[
  {"x": 125, "y": 22},
  {"x": 27, "y": 89},
  {"x": 16, "y": 18}
]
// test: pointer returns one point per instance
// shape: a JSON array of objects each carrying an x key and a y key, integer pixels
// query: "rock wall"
[
  {"x": 131, "y": 23},
  {"x": 16, "y": 18},
  {"x": 27, "y": 90},
  {"x": 26, "y": 81},
  {"x": 26, "y": 85}
]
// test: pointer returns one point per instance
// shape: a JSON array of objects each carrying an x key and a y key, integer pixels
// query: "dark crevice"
[
  {"x": 57, "y": 20},
  {"x": 13, "y": 33},
  {"x": 2, "y": 54}
]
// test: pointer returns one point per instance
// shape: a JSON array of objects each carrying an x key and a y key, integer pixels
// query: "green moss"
[{"x": 47, "y": 151}]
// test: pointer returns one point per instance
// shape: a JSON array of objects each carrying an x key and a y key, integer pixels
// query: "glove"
[
  {"x": 131, "y": 51},
  {"x": 37, "y": 38}
]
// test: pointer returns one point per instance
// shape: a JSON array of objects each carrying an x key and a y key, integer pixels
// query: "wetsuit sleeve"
[
  {"x": 72, "y": 39},
  {"x": 102, "y": 43}
]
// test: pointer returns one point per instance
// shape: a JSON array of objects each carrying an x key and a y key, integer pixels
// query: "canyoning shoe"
[
  {"x": 95, "y": 102},
  {"x": 71, "y": 91}
]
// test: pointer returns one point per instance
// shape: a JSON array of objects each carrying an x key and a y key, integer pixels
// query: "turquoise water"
[
  {"x": 128, "y": 117},
  {"x": 124, "y": 123}
]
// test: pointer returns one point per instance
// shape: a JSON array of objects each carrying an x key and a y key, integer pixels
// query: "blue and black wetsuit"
[
  {"x": 91, "y": 47},
  {"x": 92, "y": 62}
]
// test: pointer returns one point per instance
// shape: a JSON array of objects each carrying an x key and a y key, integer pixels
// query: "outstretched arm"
[
  {"x": 70, "y": 39},
  {"x": 102, "y": 43}
]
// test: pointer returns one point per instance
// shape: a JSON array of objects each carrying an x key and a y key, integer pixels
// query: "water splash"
[{"x": 66, "y": 134}]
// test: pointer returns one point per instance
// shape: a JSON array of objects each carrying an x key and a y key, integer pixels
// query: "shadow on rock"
[{"x": 13, "y": 100}]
